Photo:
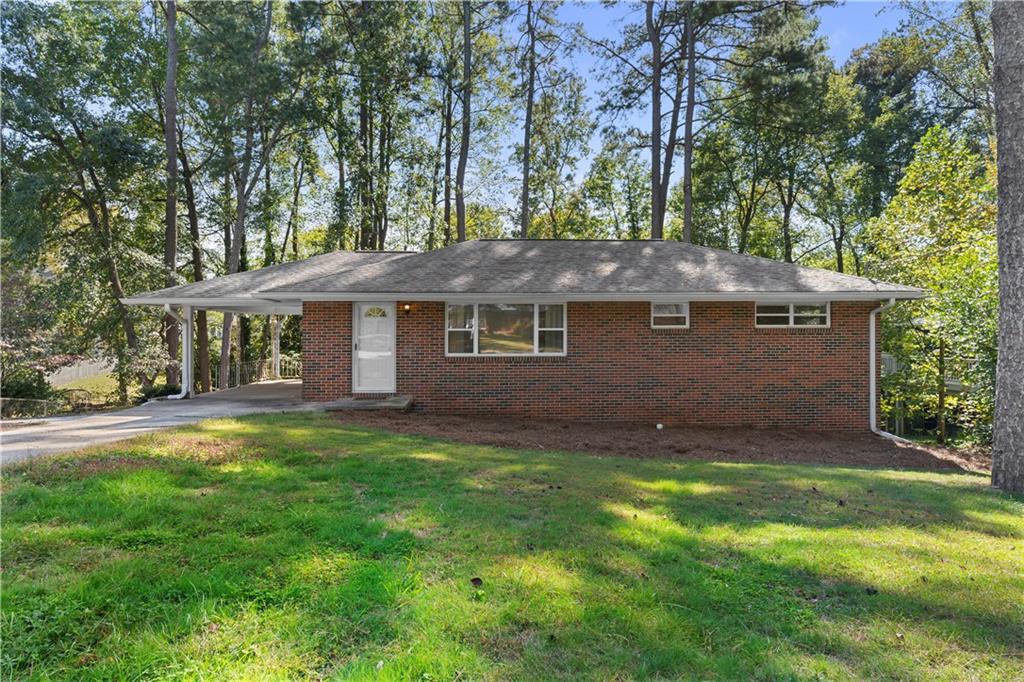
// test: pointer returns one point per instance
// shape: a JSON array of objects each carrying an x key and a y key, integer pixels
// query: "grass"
[
  {"x": 292, "y": 546},
  {"x": 100, "y": 384},
  {"x": 105, "y": 385}
]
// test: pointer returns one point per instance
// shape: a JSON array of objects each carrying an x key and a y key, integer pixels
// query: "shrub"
[{"x": 25, "y": 382}]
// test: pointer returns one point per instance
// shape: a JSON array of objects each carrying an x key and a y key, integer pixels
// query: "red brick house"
[{"x": 656, "y": 331}]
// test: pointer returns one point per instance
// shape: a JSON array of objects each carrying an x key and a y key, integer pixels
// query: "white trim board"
[{"x": 656, "y": 297}]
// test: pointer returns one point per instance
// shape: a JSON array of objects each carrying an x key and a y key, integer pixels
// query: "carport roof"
[{"x": 240, "y": 292}]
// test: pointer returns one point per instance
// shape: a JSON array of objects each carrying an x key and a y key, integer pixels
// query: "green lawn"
[
  {"x": 293, "y": 546},
  {"x": 100, "y": 384}
]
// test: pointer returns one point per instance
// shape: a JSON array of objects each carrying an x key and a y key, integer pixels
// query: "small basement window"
[
  {"x": 670, "y": 315},
  {"x": 792, "y": 315}
]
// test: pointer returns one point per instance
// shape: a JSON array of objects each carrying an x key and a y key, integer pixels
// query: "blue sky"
[{"x": 854, "y": 24}]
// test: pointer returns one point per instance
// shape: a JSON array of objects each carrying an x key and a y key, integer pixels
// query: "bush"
[
  {"x": 26, "y": 383},
  {"x": 160, "y": 391}
]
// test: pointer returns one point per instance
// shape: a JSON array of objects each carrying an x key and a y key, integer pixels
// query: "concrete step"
[{"x": 402, "y": 403}]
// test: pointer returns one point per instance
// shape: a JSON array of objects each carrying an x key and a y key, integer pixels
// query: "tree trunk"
[
  {"x": 467, "y": 91},
  {"x": 434, "y": 181},
  {"x": 531, "y": 66},
  {"x": 838, "y": 240},
  {"x": 668, "y": 157},
  {"x": 171, "y": 328},
  {"x": 1008, "y": 434},
  {"x": 940, "y": 410},
  {"x": 342, "y": 195},
  {"x": 787, "y": 233},
  {"x": 691, "y": 104},
  {"x": 291, "y": 230},
  {"x": 202, "y": 332},
  {"x": 224, "y": 366},
  {"x": 787, "y": 199},
  {"x": 449, "y": 113},
  {"x": 365, "y": 184},
  {"x": 654, "y": 36},
  {"x": 244, "y": 321},
  {"x": 384, "y": 173},
  {"x": 100, "y": 224}
]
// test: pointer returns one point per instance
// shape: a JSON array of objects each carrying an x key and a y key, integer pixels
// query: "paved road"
[{"x": 59, "y": 434}]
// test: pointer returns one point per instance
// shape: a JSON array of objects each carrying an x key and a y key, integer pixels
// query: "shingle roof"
[
  {"x": 583, "y": 267},
  {"x": 246, "y": 284}
]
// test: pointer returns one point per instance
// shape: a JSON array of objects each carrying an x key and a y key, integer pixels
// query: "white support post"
[
  {"x": 275, "y": 327},
  {"x": 185, "y": 320},
  {"x": 187, "y": 363}
]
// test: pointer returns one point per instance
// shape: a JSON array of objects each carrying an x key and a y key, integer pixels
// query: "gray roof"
[
  {"x": 246, "y": 284},
  {"x": 563, "y": 269},
  {"x": 578, "y": 268}
]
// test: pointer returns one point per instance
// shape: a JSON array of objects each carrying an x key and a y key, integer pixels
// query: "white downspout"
[
  {"x": 873, "y": 369},
  {"x": 275, "y": 327},
  {"x": 185, "y": 321}
]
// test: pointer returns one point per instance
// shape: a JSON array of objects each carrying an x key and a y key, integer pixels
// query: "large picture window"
[
  {"x": 505, "y": 329},
  {"x": 791, "y": 315}
]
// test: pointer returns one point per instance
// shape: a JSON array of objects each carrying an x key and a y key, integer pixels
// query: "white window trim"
[
  {"x": 536, "y": 332},
  {"x": 686, "y": 312},
  {"x": 790, "y": 323}
]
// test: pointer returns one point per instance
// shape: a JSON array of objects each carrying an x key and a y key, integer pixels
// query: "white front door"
[{"x": 373, "y": 352}]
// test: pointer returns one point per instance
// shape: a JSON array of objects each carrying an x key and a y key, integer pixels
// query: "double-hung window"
[
  {"x": 792, "y": 315},
  {"x": 505, "y": 329},
  {"x": 670, "y": 315}
]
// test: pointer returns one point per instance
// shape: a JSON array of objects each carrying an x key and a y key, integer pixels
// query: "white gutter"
[
  {"x": 554, "y": 297},
  {"x": 185, "y": 324},
  {"x": 873, "y": 376}
]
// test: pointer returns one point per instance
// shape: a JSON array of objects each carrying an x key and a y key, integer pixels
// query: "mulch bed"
[{"x": 643, "y": 440}]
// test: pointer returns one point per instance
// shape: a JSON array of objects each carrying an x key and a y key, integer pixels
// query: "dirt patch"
[
  {"x": 698, "y": 443},
  {"x": 74, "y": 468}
]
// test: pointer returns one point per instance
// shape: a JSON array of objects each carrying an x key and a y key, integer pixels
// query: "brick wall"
[
  {"x": 326, "y": 350},
  {"x": 720, "y": 371}
]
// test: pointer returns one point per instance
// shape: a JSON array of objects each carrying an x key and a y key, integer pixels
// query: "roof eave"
[
  {"x": 230, "y": 304},
  {"x": 762, "y": 296}
]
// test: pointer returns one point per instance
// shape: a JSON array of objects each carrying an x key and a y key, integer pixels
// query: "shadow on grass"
[{"x": 294, "y": 546}]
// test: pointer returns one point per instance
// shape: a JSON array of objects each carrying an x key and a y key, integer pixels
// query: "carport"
[
  {"x": 245, "y": 293},
  {"x": 183, "y": 307}
]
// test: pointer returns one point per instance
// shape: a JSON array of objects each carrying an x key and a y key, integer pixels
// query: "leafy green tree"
[
  {"x": 616, "y": 189},
  {"x": 254, "y": 64},
  {"x": 833, "y": 198},
  {"x": 784, "y": 87},
  {"x": 561, "y": 135},
  {"x": 938, "y": 233},
  {"x": 888, "y": 74},
  {"x": 955, "y": 40},
  {"x": 81, "y": 181}
]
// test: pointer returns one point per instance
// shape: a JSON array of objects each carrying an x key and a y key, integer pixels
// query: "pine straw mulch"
[{"x": 643, "y": 440}]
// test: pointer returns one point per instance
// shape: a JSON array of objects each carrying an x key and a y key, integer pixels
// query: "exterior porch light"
[{"x": 406, "y": 308}]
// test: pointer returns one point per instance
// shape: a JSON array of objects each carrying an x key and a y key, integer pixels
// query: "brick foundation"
[{"x": 720, "y": 371}]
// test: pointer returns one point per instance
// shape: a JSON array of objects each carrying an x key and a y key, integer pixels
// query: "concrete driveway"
[{"x": 23, "y": 439}]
